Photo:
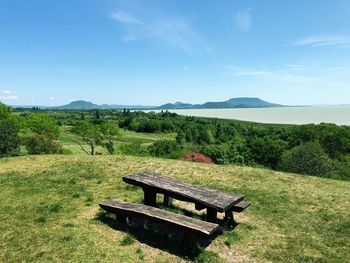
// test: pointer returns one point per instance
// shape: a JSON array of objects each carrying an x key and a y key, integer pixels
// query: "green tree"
[
  {"x": 44, "y": 139},
  {"x": 97, "y": 118},
  {"x": 109, "y": 132},
  {"x": 43, "y": 124},
  {"x": 89, "y": 134},
  {"x": 308, "y": 158},
  {"x": 9, "y": 139},
  {"x": 42, "y": 144},
  {"x": 180, "y": 137},
  {"x": 9, "y": 129},
  {"x": 165, "y": 148},
  {"x": 267, "y": 150}
]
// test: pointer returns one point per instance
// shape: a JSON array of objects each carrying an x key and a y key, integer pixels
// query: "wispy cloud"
[
  {"x": 174, "y": 31},
  {"x": 323, "y": 40},
  {"x": 287, "y": 74},
  {"x": 51, "y": 98},
  {"x": 125, "y": 18},
  {"x": 243, "y": 19},
  {"x": 7, "y": 95}
]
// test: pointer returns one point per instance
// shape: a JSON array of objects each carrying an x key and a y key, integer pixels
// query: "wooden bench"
[
  {"x": 241, "y": 206},
  {"x": 154, "y": 214},
  {"x": 204, "y": 198}
]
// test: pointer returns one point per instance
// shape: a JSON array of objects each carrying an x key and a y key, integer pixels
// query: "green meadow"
[{"x": 49, "y": 211}]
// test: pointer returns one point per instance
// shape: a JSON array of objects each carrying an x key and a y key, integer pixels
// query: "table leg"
[
  {"x": 211, "y": 215},
  {"x": 229, "y": 219},
  {"x": 199, "y": 207},
  {"x": 150, "y": 197},
  {"x": 167, "y": 200}
]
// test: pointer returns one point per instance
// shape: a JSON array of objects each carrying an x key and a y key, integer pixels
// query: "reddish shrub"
[{"x": 197, "y": 157}]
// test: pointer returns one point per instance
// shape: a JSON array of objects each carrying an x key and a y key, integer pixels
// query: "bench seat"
[
  {"x": 156, "y": 214},
  {"x": 241, "y": 206}
]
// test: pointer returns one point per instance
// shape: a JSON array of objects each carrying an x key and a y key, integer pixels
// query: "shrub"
[
  {"x": 42, "y": 144},
  {"x": 308, "y": 158},
  {"x": 229, "y": 153},
  {"x": 9, "y": 139},
  {"x": 135, "y": 149},
  {"x": 165, "y": 148},
  {"x": 267, "y": 150},
  {"x": 43, "y": 124},
  {"x": 197, "y": 157}
]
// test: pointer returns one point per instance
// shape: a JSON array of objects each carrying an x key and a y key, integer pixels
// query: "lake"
[{"x": 285, "y": 115}]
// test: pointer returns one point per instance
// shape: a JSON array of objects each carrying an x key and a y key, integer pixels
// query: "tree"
[
  {"x": 44, "y": 139},
  {"x": 165, "y": 148},
  {"x": 97, "y": 118},
  {"x": 88, "y": 134},
  {"x": 9, "y": 139},
  {"x": 43, "y": 124},
  {"x": 180, "y": 137},
  {"x": 308, "y": 158},
  {"x": 42, "y": 144},
  {"x": 267, "y": 150},
  {"x": 109, "y": 132}
]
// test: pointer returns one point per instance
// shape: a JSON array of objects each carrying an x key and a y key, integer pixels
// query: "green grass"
[
  {"x": 49, "y": 212},
  {"x": 72, "y": 142}
]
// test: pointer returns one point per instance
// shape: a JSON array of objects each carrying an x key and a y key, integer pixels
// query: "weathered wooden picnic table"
[{"x": 204, "y": 198}]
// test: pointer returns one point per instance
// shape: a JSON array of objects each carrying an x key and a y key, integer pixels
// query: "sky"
[{"x": 151, "y": 52}]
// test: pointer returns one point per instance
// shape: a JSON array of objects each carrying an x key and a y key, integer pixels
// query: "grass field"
[
  {"x": 49, "y": 208},
  {"x": 72, "y": 142}
]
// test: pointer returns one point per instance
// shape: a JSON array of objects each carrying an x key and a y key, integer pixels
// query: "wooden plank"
[
  {"x": 241, "y": 206},
  {"x": 156, "y": 214},
  {"x": 220, "y": 201}
]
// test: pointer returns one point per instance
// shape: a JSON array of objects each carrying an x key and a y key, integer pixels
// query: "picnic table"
[{"x": 204, "y": 198}]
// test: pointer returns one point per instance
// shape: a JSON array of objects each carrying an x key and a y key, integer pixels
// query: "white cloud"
[
  {"x": 174, "y": 31},
  {"x": 9, "y": 97},
  {"x": 125, "y": 18},
  {"x": 51, "y": 98},
  {"x": 243, "y": 19},
  {"x": 323, "y": 40},
  {"x": 287, "y": 74}
]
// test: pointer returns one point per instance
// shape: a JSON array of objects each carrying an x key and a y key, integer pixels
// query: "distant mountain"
[
  {"x": 79, "y": 105},
  {"x": 87, "y": 105},
  {"x": 231, "y": 103}
]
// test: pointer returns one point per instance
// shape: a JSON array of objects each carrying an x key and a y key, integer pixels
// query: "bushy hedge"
[
  {"x": 42, "y": 144},
  {"x": 166, "y": 148},
  {"x": 9, "y": 139},
  {"x": 308, "y": 158}
]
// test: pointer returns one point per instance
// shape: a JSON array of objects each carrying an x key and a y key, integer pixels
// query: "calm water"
[{"x": 288, "y": 115}]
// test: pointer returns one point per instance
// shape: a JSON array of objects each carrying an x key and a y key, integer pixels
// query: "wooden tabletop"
[{"x": 210, "y": 198}]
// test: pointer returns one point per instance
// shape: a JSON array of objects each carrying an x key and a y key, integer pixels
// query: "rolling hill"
[
  {"x": 86, "y": 105},
  {"x": 231, "y": 103}
]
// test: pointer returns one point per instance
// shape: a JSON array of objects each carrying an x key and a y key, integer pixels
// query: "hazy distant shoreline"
[{"x": 278, "y": 115}]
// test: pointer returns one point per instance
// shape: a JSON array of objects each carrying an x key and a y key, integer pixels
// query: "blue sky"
[{"x": 153, "y": 52}]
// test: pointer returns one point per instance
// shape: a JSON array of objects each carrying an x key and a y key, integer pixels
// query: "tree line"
[{"x": 322, "y": 149}]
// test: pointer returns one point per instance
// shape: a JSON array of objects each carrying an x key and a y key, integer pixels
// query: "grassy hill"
[{"x": 49, "y": 211}]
